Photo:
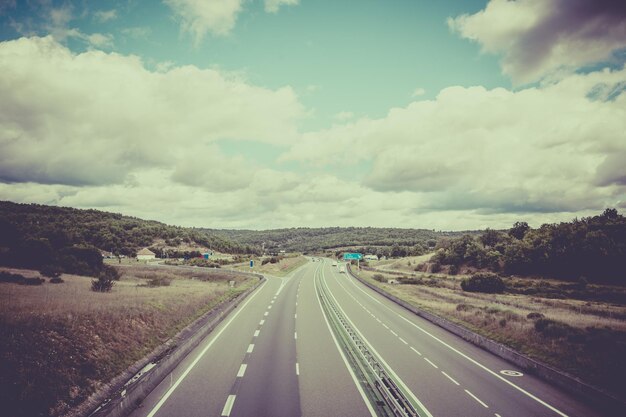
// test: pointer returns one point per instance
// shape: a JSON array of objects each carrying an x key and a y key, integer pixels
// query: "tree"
[{"x": 519, "y": 230}]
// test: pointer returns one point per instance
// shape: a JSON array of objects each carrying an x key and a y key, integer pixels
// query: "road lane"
[
  {"x": 326, "y": 386},
  {"x": 448, "y": 383}
]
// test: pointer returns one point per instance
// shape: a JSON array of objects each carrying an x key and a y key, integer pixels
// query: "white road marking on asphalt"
[
  {"x": 228, "y": 407},
  {"x": 416, "y": 351},
  {"x": 450, "y": 378},
  {"x": 382, "y": 360},
  {"x": 295, "y": 316},
  {"x": 297, "y": 369},
  {"x": 266, "y": 313},
  {"x": 343, "y": 356},
  {"x": 195, "y": 361},
  {"x": 250, "y": 348},
  {"x": 295, "y": 335},
  {"x": 403, "y": 341},
  {"x": 385, "y": 326},
  {"x": 475, "y": 362},
  {"x": 242, "y": 370},
  {"x": 497, "y": 415},
  {"x": 393, "y": 333},
  {"x": 272, "y": 302},
  {"x": 477, "y": 399},
  {"x": 256, "y": 333},
  {"x": 428, "y": 360},
  {"x": 262, "y": 322},
  {"x": 269, "y": 307}
]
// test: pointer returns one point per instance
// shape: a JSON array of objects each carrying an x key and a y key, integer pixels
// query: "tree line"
[{"x": 591, "y": 248}]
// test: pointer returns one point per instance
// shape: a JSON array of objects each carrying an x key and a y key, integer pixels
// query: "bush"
[
  {"x": 552, "y": 329},
  {"x": 56, "y": 280},
  {"x": 50, "y": 271},
  {"x": 535, "y": 316},
  {"x": 11, "y": 278},
  {"x": 379, "y": 278},
  {"x": 483, "y": 282},
  {"x": 33, "y": 281},
  {"x": 102, "y": 284},
  {"x": 159, "y": 282}
]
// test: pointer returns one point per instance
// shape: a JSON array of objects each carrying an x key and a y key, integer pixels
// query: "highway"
[{"x": 279, "y": 353}]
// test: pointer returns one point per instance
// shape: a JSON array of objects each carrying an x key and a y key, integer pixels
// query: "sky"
[{"x": 261, "y": 114}]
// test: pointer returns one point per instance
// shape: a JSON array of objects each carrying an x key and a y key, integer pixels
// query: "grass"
[
  {"x": 60, "y": 342},
  {"x": 586, "y": 338},
  {"x": 281, "y": 269}
]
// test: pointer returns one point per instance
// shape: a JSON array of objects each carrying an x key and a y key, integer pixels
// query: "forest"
[
  {"x": 591, "y": 249},
  {"x": 375, "y": 240},
  {"x": 36, "y": 236}
]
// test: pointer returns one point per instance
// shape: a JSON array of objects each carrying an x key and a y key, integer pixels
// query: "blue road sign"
[
  {"x": 348, "y": 256},
  {"x": 251, "y": 263}
]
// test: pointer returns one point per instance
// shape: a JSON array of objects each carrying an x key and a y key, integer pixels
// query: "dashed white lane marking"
[
  {"x": 450, "y": 378},
  {"x": 256, "y": 333},
  {"x": 250, "y": 348},
  {"x": 242, "y": 370},
  {"x": 297, "y": 369},
  {"x": 272, "y": 302},
  {"x": 295, "y": 316},
  {"x": 228, "y": 407},
  {"x": 266, "y": 313},
  {"x": 497, "y": 415},
  {"x": 295, "y": 335},
  {"x": 197, "y": 359},
  {"x": 394, "y": 333},
  {"x": 416, "y": 351},
  {"x": 403, "y": 341},
  {"x": 477, "y": 399},
  {"x": 269, "y": 307},
  {"x": 385, "y": 326},
  {"x": 428, "y": 360},
  {"x": 475, "y": 362},
  {"x": 262, "y": 322}
]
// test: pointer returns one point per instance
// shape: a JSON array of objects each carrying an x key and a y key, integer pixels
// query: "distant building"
[
  {"x": 371, "y": 257},
  {"x": 145, "y": 254}
]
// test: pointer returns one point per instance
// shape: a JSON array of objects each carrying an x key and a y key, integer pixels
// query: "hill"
[
  {"x": 380, "y": 241},
  {"x": 111, "y": 232}
]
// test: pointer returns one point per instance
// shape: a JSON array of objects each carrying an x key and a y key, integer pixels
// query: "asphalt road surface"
[{"x": 275, "y": 355}]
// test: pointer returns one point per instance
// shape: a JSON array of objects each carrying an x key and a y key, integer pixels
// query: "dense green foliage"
[
  {"x": 112, "y": 232},
  {"x": 379, "y": 241},
  {"x": 483, "y": 282},
  {"x": 592, "y": 247}
]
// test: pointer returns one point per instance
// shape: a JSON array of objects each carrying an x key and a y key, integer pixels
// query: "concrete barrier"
[
  {"x": 122, "y": 395},
  {"x": 603, "y": 400}
]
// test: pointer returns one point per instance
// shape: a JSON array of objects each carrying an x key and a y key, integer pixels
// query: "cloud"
[
  {"x": 544, "y": 149},
  {"x": 418, "y": 92},
  {"x": 344, "y": 115},
  {"x": 272, "y": 6},
  {"x": 105, "y": 15},
  {"x": 199, "y": 17},
  {"x": 542, "y": 37},
  {"x": 97, "y": 118},
  {"x": 137, "y": 32}
]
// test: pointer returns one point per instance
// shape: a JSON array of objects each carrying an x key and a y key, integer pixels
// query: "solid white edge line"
[
  {"x": 450, "y": 378},
  {"x": 242, "y": 370},
  {"x": 228, "y": 407},
  {"x": 475, "y": 362},
  {"x": 343, "y": 356},
  {"x": 476, "y": 398},
  {"x": 369, "y": 345},
  {"x": 197, "y": 359}
]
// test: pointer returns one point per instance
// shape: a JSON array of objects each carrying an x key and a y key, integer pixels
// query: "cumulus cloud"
[
  {"x": 418, "y": 92},
  {"x": 199, "y": 17},
  {"x": 272, "y": 6},
  {"x": 95, "y": 118},
  {"x": 541, "y": 37},
  {"x": 544, "y": 149}
]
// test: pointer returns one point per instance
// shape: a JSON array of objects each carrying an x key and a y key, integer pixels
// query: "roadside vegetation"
[
  {"x": 278, "y": 266},
  {"x": 61, "y": 342}
]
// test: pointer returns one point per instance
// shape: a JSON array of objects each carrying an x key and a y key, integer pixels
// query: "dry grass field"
[
  {"x": 283, "y": 268},
  {"x": 582, "y": 332},
  {"x": 60, "y": 342}
]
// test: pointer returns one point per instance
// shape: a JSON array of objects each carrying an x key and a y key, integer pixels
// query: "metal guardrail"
[{"x": 381, "y": 388}]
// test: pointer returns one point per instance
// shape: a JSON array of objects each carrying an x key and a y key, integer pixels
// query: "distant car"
[
  {"x": 342, "y": 270},
  {"x": 334, "y": 263}
]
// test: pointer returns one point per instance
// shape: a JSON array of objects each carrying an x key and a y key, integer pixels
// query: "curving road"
[{"x": 276, "y": 355}]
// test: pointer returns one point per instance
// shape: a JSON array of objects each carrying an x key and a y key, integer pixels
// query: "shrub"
[
  {"x": 483, "y": 282},
  {"x": 56, "y": 280},
  {"x": 379, "y": 278},
  {"x": 50, "y": 271},
  {"x": 11, "y": 278},
  {"x": 158, "y": 281},
  {"x": 552, "y": 329},
  {"x": 33, "y": 281},
  {"x": 102, "y": 284},
  {"x": 535, "y": 316},
  {"x": 464, "y": 307}
]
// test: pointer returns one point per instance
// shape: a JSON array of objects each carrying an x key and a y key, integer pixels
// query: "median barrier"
[{"x": 600, "y": 398}]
